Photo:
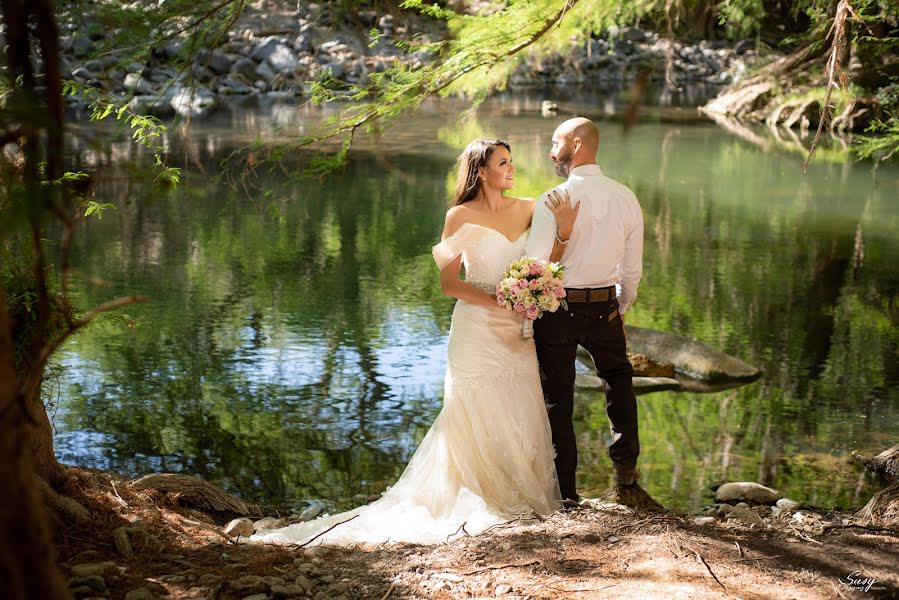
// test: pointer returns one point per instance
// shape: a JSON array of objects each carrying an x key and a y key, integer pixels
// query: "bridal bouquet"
[{"x": 531, "y": 287}]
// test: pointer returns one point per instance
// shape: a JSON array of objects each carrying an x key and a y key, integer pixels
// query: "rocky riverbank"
[
  {"x": 142, "y": 543},
  {"x": 277, "y": 48}
]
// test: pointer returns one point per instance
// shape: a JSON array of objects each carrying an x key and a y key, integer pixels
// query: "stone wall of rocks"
[{"x": 277, "y": 48}]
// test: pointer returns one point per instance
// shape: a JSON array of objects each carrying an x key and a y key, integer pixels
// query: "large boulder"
[
  {"x": 746, "y": 491},
  {"x": 689, "y": 357}
]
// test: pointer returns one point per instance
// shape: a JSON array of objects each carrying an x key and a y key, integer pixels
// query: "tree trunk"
[
  {"x": 27, "y": 555},
  {"x": 40, "y": 432}
]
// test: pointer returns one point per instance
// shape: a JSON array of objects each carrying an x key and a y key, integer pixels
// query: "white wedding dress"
[{"x": 488, "y": 457}]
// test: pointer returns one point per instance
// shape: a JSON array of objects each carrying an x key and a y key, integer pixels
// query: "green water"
[{"x": 294, "y": 344}]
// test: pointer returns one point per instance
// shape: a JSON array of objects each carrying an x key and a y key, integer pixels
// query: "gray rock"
[
  {"x": 170, "y": 49},
  {"x": 82, "y": 74},
  {"x": 195, "y": 102},
  {"x": 303, "y": 582},
  {"x": 231, "y": 87},
  {"x": 88, "y": 569},
  {"x": 209, "y": 580},
  {"x": 385, "y": 24},
  {"x": 238, "y": 527},
  {"x": 787, "y": 504},
  {"x": 633, "y": 34},
  {"x": 245, "y": 68},
  {"x": 303, "y": 43},
  {"x": 249, "y": 584},
  {"x": 282, "y": 59},
  {"x": 311, "y": 512},
  {"x": 295, "y": 590},
  {"x": 135, "y": 82},
  {"x": 705, "y": 520},
  {"x": 265, "y": 48},
  {"x": 642, "y": 385},
  {"x": 724, "y": 510},
  {"x": 280, "y": 591},
  {"x": 264, "y": 72},
  {"x": 710, "y": 512},
  {"x": 268, "y": 523},
  {"x": 740, "y": 505},
  {"x": 746, "y": 516},
  {"x": 220, "y": 63},
  {"x": 747, "y": 491},
  {"x": 122, "y": 543},
  {"x": 95, "y": 582},
  {"x": 689, "y": 357},
  {"x": 257, "y": 597},
  {"x": 140, "y": 594},
  {"x": 82, "y": 45}
]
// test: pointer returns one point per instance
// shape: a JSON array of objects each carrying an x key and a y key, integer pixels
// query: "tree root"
[{"x": 194, "y": 493}]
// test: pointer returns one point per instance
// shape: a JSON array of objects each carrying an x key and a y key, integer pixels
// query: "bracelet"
[{"x": 560, "y": 240}]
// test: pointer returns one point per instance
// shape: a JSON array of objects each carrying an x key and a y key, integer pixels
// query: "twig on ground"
[
  {"x": 740, "y": 560},
  {"x": 506, "y": 566},
  {"x": 206, "y": 527},
  {"x": 462, "y": 529},
  {"x": 389, "y": 591},
  {"x": 507, "y": 523},
  {"x": 712, "y": 573},
  {"x": 739, "y": 549},
  {"x": 805, "y": 537},
  {"x": 318, "y": 535},
  {"x": 122, "y": 500}
]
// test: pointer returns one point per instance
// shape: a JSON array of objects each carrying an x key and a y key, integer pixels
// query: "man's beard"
[{"x": 563, "y": 165}]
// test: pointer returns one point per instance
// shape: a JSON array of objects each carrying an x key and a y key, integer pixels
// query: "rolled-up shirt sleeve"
[
  {"x": 631, "y": 267},
  {"x": 543, "y": 231}
]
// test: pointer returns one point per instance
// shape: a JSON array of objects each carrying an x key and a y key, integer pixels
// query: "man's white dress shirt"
[{"x": 606, "y": 245}]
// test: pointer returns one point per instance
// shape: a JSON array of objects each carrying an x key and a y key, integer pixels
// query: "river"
[{"x": 293, "y": 345}]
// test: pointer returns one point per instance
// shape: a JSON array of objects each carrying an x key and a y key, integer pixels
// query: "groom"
[{"x": 604, "y": 249}]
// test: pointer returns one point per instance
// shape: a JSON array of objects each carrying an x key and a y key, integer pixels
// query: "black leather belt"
[{"x": 591, "y": 294}]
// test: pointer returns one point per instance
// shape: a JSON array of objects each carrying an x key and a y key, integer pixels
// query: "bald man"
[{"x": 603, "y": 260}]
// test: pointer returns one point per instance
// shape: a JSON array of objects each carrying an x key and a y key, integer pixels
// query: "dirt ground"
[{"x": 599, "y": 551}]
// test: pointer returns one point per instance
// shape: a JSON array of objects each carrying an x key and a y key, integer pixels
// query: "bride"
[{"x": 488, "y": 457}]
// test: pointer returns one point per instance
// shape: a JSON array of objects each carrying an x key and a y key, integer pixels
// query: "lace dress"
[{"x": 488, "y": 457}]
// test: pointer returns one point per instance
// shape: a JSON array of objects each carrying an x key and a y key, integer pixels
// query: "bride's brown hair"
[{"x": 475, "y": 156}]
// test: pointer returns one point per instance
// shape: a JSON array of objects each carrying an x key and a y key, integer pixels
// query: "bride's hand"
[{"x": 563, "y": 212}]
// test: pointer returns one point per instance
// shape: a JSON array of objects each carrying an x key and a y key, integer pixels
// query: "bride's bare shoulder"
[{"x": 456, "y": 217}]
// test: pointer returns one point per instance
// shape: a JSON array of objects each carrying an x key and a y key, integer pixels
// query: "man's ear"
[{"x": 578, "y": 144}]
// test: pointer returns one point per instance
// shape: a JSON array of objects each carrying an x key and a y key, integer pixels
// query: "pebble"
[
  {"x": 85, "y": 570},
  {"x": 787, "y": 504},
  {"x": 705, "y": 520},
  {"x": 95, "y": 582},
  {"x": 239, "y": 527},
  {"x": 613, "y": 538},
  {"x": 140, "y": 594},
  {"x": 502, "y": 589},
  {"x": 303, "y": 582}
]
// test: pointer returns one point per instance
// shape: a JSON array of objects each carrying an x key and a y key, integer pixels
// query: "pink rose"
[
  {"x": 500, "y": 298},
  {"x": 519, "y": 306},
  {"x": 560, "y": 292},
  {"x": 535, "y": 268},
  {"x": 532, "y": 312},
  {"x": 534, "y": 284},
  {"x": 523, "y": 283}
]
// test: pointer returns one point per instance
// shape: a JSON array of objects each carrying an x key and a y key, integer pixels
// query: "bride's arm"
[
  {"x": 454, "y": 287},
  {"x": 450, "y": 283}
]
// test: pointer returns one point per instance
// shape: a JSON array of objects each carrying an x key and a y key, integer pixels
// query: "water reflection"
[{"x": 294, "y": 348}]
